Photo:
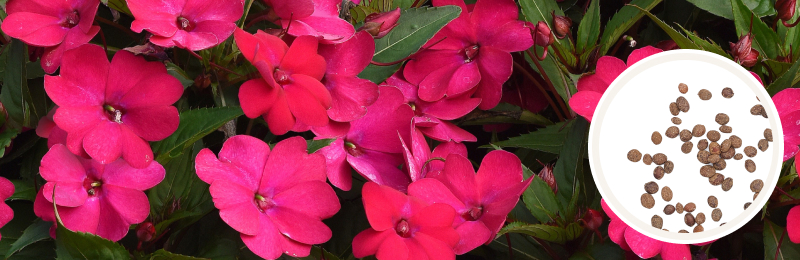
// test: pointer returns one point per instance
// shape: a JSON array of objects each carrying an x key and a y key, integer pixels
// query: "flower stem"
[
  {"x": 550, "y": 84},
  {"x": 541, "y": 89}
]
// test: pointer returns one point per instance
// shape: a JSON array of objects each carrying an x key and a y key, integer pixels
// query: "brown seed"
[
  {"x": 659, "y": 158},
  {"x": 720, "y": 165},
  {"x": 768, "y": 134},
  {"x": 750, "y": 165},
  {"x": 750, "y": 151},
  {"x": 702, "y": 156},
  {"x": 668, "y": 166},
  {"x": 647, "y": 159},
  {"x": 679, "y": 208},
  {"x": 656, "y": 221},
  {"x": 723, "y": 224},
  {"x": 713, "y": 135},
  {"x": 725, "y": 145},
  {"x": 704, "y": 94},
  {"x": 722, "y": 118},
  {"x": 673, "y": 109},
  {"x": 690, "y": 207},
  {"x": 736, "y": 142},
  {"x": 656, "y": 137},
  {"x": 755, "y": 110},
  {"x": 683, "y": 104},
  {"x": 714, "y": 158},
  {"x": 698, "y": 130},
  {"x": 672, "y": 132},
  {"x": 700, "y": 218},
  {"x": 738, "y": 156},
  {"x": 683, "y": 88},
  {"x": 665, "y": 229},
  {"x": 686, "y": 135},
  {"x": 683, "y": 231},
  {"x": 651, "y": 187},
  {"x": 712, "y": 201},
  {"x": 725, "y": 129},
  {"x": 755, "y": 195},
  {"x": 648, "y": 201},
  {"x": 666, "y": 193},
  {"x": 729, "y": 154},
  {"x": 716, "y": 179},
  {"x": 716, "y": 215},
  {"x": 727, "y": 92},
  {"x": 714, "y": 148},
  {"x": 707, "y": 171},
  {"x": 747, "y": 205},
  {"x": 687, "y": 147},
  {"x": 658, "y": 172},
  {"x": 702, "y": 144},
  {"x": 676, "y": 120},
  {"x": 763, "y": 144},
  {"x": 634, "y": 155},
  {"x": 669, "y": 209},
  {"x": 688, "y": 219},
  {"x": 756, "y": 185},
  {"x": 727, "y": 184},
  {"x": 698, "y": 228}
]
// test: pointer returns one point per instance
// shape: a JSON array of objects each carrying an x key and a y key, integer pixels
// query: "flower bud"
[
  {"x": 562, "y": 25},
  {"x": 542, "y": 35},
  {"x": 750, "y": 59},
  {"x": 667, "y": 45},
  {"x": 785, "y": 9},
  {"x": 742, "y": 48},
  {"x": 380, "y": 24},
  {"x": 592, "y": 219},
  {"x": 547, "y": 176},
  {"x": 145, "y": 231}
]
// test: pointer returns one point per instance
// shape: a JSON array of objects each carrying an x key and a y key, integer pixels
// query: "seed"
[
  {"x": 668, "y": 166},
  {"x": 723, "y": 224},
  {"x": 676, "y": 120},
  {"x": 725, "y": 146},
  {"x": 698, "y": 130},
  {"x": 656, "y": 137},
  {"x": 687, "y": 147},
  {"x": 698, "y": 228},
  {"x": 756, "y": 185},
  {"x": 647, "y": 159},
  {"x": 683, "y": 88},
  {"x": 634, "y": 155},
  {"x": 702, "y": 156},
  {"x": 763, "y": 144},
  {"x": 656, "y": 221},
  {"x": 755, "y": 195},
  {"x": 736, "y": 142},
  {"x": 727, "y": 184},
  {"x": 683, "y": 231},
  {"x": 713, "y": 135},
  {"x": 714, "y": 158},
  {"x": 716, "y": 179},
  {"x": 727, "y": 92},
  {"x": 658, "y": 172},
  {"x": 672, "y": 132},
  {"x": 750, "y": 151},
  {"x": 651, "y": 187},
  {"x": 648, "y": 201},
  {"x": 666, "y": 193},
  {"x": 726, "y": 129},
  {"x": 683, "y": 104},
  {"x": 700, "y": 218},
  {"x": 707, "y": 171},
  {"x": 673, "y": 109},
  {"x": 716, "y": 215},
  {"x": 750, "y": 165},
  {"x": 686, "y": 135},
  {"x": 679, "y": 208},
  {"x": 704, "y": 94},
  {"x": 747, "y": 205},
  {"x": 712, "y": 201},
  {"x": 768, "y": 134},
  {"x": 659, "y": 158},
  {"x": 738, "y": 156},
  {"x": 729, "y": 154},
  {"x": 702, "y": 144},
  {"x": 688, "y": 219},
  {"x": 689, "y": 207},
  {"x": 757, "y": 110},
  {"x": 714, "y": 148},
  {"x": 722, "y": 118},
  {"x": 669, "y": 209},
  {"x": 665, "y": 229},
  {"x": 720, "y": 165}
]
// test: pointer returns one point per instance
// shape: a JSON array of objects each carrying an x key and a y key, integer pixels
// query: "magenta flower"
[
  {"x": 47, "y": 128},
  {"x": 289, "y": 91},
  {"x": 350, "y": 95},
  {"x": 58, "y": 26},
  {"x": 318, "y": 18},
  {"x": 370, "y": 145},
  {"x": 404, "y": 227},
  {"x": 100, "y": 199},
  {"x": 793, "y": 223},
  {"x": 190, "y": 24},
  {"x": 111, "y": 109},
  {"x": 6, "y": 191},
  {"x": 471, "y": 53},
  {"x": 482, "y": 201},
  {"x": 787, "y": 102},
  {"x": 421, "y": 162},
  {"x": 276, "y": 199}
]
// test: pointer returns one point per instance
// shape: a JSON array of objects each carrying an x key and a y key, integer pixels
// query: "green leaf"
[
  {"x": 569, "y": 166},
  {"x": 622, "y": 21},
  {"x": 787, "y": 80},
  {"x": 194, "y": 124},
  {"x": 15, "y": 95},
  {"x": 181, "y": 195},
  {"x": 541, "y": 231},
  {"x": 36, "y": 232},
  {"x": 415, "y": 27},
  {"x": 317, "y": 253},
  {"x": 599, "y": 251},
  {"x": 179, "y": 74},
  {"x": 773, "y": 234},
  {"x": 79, "y": 245},
  {"x": 540, "y": 200},
  {"x": 589, "y": 27},
  {"x": 765, "y": 39},
  {"x": 162, "y": 254},
  {"x": 573, "y": 231},
  {"x": 314, "y": 145},
  {"x": 5, "y": 139},
  {"x": 119, "y": 5},
  {"x": 23, "y": 190},
  {"x": 539, "y": 10},
  {"x": 549, "y": 139},
  {"x": 706, "y": 45},
  {"x": 679, "y": 39},
  {"x": 723, "y": 8}
]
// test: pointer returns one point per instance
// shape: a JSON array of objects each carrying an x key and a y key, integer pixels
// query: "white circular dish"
[{"x": 637, "y": 103}]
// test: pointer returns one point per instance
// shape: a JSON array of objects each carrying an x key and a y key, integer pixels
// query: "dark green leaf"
[
  {"x": 179, "y": 74},
  {"x": 679, "y": 39},
  {"x": 549, "y": 139},
  {"x": 622, "y": 21},
  {"x": 573, "y": 231},
  {"x": 119, "y": 5},
  {"x": 569, "y": 166},
  {"x": 541, "y": 201},
  {"x": 314, "y": 145},
  {"x": 773, "y": 234},
  {"x": 15, "y": 95},
  {"x": 707, "y": 45},
  {"x": 181, "y": 195},
  {"x": 415, "y": 27},
  {"x": 5, "y": 139},
  {"x": 599, "y": 251},
  {"x": 541, "y": 231},
  {"x": 79, "y": 245},
  {"x": 194, "y": 124},
  {"x": 539, "y": 10},
  {"x": 34, "y": 70},
  {"x": 317, "y": 253},
  {"x": 787, "y": 80},
  {"x": 37, "y": 231},
  {"x": 765, "y": 40},
  {"x": 162, "y": 254},
  {"x": 723, "y": 8},
  {"x": 589, "y": 27},
  {"x": 23, "y": 190},
  {"x": 520, "y": 246}
]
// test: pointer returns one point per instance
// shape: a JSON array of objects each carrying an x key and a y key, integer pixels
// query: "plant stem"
[
  {"x": 550, "y": 83},
  {"x": 544, "y": 92}
]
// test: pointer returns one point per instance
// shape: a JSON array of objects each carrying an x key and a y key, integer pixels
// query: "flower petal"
[
  {"x": 433, "y": 191},
  {"x": 135, "y": 151},
  {"x": 382, "y": 205},
  {"x": 280, "y": 119},
  {"x": 152, "y": 123},
  {"x": 337, "y": 168},
  {"x": 236, "y": 207},
  {"x": 315, "y": 199},
  {"x": 643, "y": 246},
  {"x": 378, "y": 129},
  {"x": 52, "y": 56},
  {"x": 793, "y": 224},
  {"x": 381, "y": 168},
  {"x": 584, "y": 103},
  {"x": 473, "y": 234},
  {"x": 157, "y": 90},
  {"x": 350, "y": 96},
  {"x": 393, "y": 248},
  {"x": 34, "y": 28},
  {"x": 671, "y": 251},
  {"x": 131, "y": 205},
  {"x": 459, "y": 176},
  {"x": 290, "y": 164},
  {"x": 351, "y": 57},
  {"x": 257, "y": 97},
  {"x": 129, "y": 71},
  {"x": 499, "y": 171},
  {"x": 496, "y": 67},
  {"x": 304, "y": 100},
  {"x": 83, "y": 80},
  {"x": 464, "y": 79},
  {"x": 84, "y": 218},
  {"x": 302, "y": 58},
  {"x": 270, "y": 244},
  {"x": 787, "y": 101},
  {"x": 641, "y": 53},
  {"x": 120, "y": 174},
  {"x": 299, "y": 226},
  {"x": 69, "y": 194},
  {"x": 368, "y": 241},
  {"x": 60, "y": 165},
  {"x": 436, "y": 248},
  {"x": 104, "y": 143}
]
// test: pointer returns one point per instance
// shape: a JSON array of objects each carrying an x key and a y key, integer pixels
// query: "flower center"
[
  {"x": 417, "y": 112},
  {"x": 185, "y": 24},
  {"x": 113, "y": 114},
  {"x": 473, "y": 213},
  {"x": 71, "y": 20},
  {"x": 403, "y": 229},
  {"x": 352, "y": 149},
  {"x": 282, "y": 77},
  {"x": 92, "y": 186},
  {"x": 470, "y": 53},
  {"x": 263, "y": 203}
]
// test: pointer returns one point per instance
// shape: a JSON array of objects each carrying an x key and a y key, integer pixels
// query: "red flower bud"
[
  {"x": 785, "y": 10},
  {"x": 750, "y": 59},
  {"x": 593, "y": 219},
  {"x": 547, "y": 176},
  {"x": 145, "y": 231},
  {"x": 562, "y": 25},
  {"x": 667, "y": 45},
  {"x": 742, "y": 48},
  {"x": 380, "y": 24},
  {"x": 542, "y": 35}
]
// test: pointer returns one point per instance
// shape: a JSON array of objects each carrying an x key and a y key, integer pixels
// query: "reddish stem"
[
  {"x": 544, "y": 92},
  {"x": 784, "y": 193},
  {"x": 550, "y": 84},
  {"x": 778, "y": 248},
  {"x": 510, "y": 249}
]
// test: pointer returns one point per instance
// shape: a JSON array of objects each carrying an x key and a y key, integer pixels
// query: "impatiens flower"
[
  {"x": 404, "y": 227},
  {"x": 46, "y": 128},
  {"x": 370, "y": 145},
  {"x": 275, "y": 199},
  {"x": 471, "y": 53},
  {"x": 793, "y": 224},
  {"x": 191, "y": 24},
  {"x": 787, "y": 102},
  {"x": 318, "y": 18},
  {"x": 350, "y": 95},
  {"x": 91, "y": 197},
  {"x": 482, "y": 201},
  {"x": 111, "y": 109},
  {"x": 380, "y": 24},
  {"x": 6, "y": 190},
  {"x": 421, "y": 162},
  {"x": 289, "y": 91},
  {"x": 58, "y": 26}
]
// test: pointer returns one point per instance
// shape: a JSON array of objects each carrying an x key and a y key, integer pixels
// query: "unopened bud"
[
  {"x": 750, "y": 60},
  {"x": 592, "y": 219},
  {"x": 786, "y": 10},
  {"x": 145, "y": 231},
  {"x": 562, "y": 25},
  {"x": 547, "y": 176},
  {"x": 742, "y": 47},
  {"x": 542, "y": 35},
  {"x": 380, "y": 24}
]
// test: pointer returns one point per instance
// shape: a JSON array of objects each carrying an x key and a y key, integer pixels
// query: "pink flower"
[
  {"x": 57, "y": 25},
  {"x": 95, "y": 198},
  {"x": 421, "y": 162},
  {"x": 471, "y": 53},
  {"x": 318, "y": 18},
  {"x": 6, "y": 191},
  {"x": 481, "y": 201},
  {"x": 787, "y": 102},
  {"x": 350, "y": 95},
  {"x": 276, "y": 199},
  {"x": 380, "y": 24},
  {"x": 191, "y": 24},
  {"x": 111, "y": 109},
  {"x": 793, "y": 224},
  {"x": 404, "y": 227},
  {"x": 289, "y": 91},
  {"x": 431, "y": 117},
  {"x": 370, "y": 145},
  {"x": 46, "y": 128}
]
